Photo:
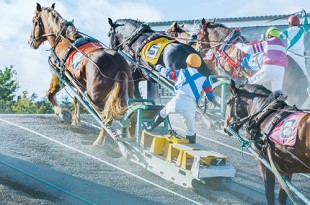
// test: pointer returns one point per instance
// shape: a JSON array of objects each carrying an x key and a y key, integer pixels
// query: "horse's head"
[
  {"x": 49, "y": 25},
  {"x": 124, "y": 30},
  {"x": 236, "y": 108},
  {"x": 37, "y": 36},
  {"x": 174, "y": 30},
  {"x": 245, "y": 100},
  {"x": 114, "y": 42},
  {"x": 203, "y": 41},
  {"x": 211, "y": 34}
]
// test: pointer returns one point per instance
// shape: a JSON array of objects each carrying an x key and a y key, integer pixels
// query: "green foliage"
[
  {"x": 66, "y": 103},
  {"x": 8, "y": 86},
  {"x": 24, "y": 104},
  {"x": 29, "y": 105}
]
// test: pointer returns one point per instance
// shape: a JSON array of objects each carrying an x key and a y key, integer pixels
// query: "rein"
[
  {"x": 220, "y": 51},
  {"x": 43, "y": 35},
  {"x": 135, "y": 34},
  {"x": 230, "y": 40},
  {"x": 257, "y": 118}
]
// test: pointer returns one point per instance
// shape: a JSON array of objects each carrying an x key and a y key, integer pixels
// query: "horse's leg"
[
  {"x": 269, "y": 186},
  {"x": 76, "y": 114},
  {"x": 269, "y": 181},
  {"x": 135, "y": 78},
  {"x": 102, "y": 136},
  {"x": 131, "y": 90},
  {"x": 53, "y": 89},
  {"x": 151, "y": 90},
  {"x": 131, "y": 129},
  {"x": 136, "y": 90},
  {"x": 282, "y": 193}
]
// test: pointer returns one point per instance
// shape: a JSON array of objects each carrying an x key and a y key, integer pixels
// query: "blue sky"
[{"x": 90, "y": 16}]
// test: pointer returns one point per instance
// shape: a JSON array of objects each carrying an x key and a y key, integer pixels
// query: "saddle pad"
[
  {"x": 286, "y": 130},
  {"x": 152, "y": 50},
  {"x": 75, "y": 58}
]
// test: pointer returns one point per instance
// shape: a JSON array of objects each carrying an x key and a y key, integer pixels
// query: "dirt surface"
[{"x": 61, "y": 166}]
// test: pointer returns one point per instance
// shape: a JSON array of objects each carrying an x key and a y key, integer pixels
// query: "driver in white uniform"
[{"x": 188, "y": 87}]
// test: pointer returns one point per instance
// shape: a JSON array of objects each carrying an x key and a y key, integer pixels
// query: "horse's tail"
[{"x": 115, "y": 105}]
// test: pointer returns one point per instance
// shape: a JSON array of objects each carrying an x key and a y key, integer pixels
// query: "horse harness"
[
  {"x": 254, "y": 121},
  {"x": 134, "y": 36},
  {"x": 232, "y": 38},
  {"x": 135, "y": 54},
  {"x": 279, "y": 109},
  {"x": 220, "y": 53}
]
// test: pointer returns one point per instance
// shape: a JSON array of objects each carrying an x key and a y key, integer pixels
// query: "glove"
[
  {"x": 243, "y": 47},
  {"x": 213, "y": 104},
  {"x": 158, "y": 67},
  {"x": 303, "y": 13}
]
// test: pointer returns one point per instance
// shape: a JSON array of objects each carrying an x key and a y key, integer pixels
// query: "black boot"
[
  {"x": 157, "y": 120},
  {"x": 192, "y": 139}
]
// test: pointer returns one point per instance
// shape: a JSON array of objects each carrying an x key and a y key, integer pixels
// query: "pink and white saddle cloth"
[{"x": 285, "y": 131}]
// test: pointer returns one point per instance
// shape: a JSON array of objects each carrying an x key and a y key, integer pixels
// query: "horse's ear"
[
  {"x": 111, "y": 22},
  {"x": 233, "y": 88},
  {"x": 175, "y": 24},
  {"x": 53, "y": 6},
  {"x": 203, "y": 21},
  {"x": 39, "y": 7}
]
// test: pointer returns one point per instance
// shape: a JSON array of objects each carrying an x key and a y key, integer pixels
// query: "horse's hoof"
[
  {"x": 75, "y": 123},
  {"x": 66, "y": 115},
  {"x": 97, "y": 142}
]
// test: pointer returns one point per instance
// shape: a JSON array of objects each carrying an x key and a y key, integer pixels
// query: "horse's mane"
[
  {"x": 254, "y": 90},
  {"x": 134, "y": 23},
  {"x": 53, "y": 17},
  {"x": 56, "y": 22},
  {"x": 217, "y": 25},
  {"x": 131, "y": 21}
]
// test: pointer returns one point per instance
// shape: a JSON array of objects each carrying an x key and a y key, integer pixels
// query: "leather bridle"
[{"x": 38, "y": 24}]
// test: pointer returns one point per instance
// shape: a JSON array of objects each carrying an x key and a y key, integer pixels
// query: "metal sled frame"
[{"x": 172, "y": 158}]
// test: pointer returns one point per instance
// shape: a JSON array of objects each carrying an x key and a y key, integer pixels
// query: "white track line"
[
  {"x": 217, "y": 142},
  {"x": 238, "y": 150},
  {"x": 101, "y": 160},
  {"x": 206, "y": 138}
]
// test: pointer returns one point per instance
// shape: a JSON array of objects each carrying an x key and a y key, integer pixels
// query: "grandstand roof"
[{"x": 248, "y": 21}]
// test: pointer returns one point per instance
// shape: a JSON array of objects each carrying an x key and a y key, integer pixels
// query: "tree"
[
  {"x": 24, "y": 105},
  {"x": 8, "y": 86},
  {"x": 29, "y": 105},
  {"x": 44, "y": 107},
  {"x": 66, "y": 103}
]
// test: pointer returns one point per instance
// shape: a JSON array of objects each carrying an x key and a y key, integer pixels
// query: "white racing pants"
[
  {"x": 300, "y": 60},
  {"x": 186, "y": 107},
  {"x": 269, "y": 73}
]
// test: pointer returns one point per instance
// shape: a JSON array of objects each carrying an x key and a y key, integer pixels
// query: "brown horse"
[
  {"x": 263, "y": 110},
  {"x": 218, "y": 42},
  {"x": 102, "y": 74},
  {"x": 177, "y": 32},
  {"x": 222, "y": 41}
]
